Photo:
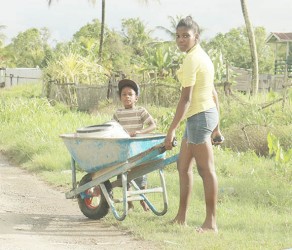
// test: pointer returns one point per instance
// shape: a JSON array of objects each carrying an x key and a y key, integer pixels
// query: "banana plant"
[
  {"x": 277, "y": 151},
  {"x": 163, "y": 59}
]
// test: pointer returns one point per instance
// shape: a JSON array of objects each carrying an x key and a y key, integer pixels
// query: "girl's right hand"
[{"x": 169, "y": 140}]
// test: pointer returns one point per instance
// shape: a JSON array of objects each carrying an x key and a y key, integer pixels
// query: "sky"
[{"x": 65, "y": 17}]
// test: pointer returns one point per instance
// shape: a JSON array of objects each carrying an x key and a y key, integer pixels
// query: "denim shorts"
[{"x": 199, "y": 127}]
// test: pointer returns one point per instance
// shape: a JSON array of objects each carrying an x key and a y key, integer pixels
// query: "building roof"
[{"x": 276, "y": 37}]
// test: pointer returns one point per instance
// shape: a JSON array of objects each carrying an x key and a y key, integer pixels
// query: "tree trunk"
[
  {"x": 101, "y": 30},
  {"x": 253, "y": 49}
]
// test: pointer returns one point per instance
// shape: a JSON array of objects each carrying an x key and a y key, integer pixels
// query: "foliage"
[
  {"x": 246, "y": 125},
  {"x": 5, "y": 57},
  {"x": 219, "y": 67},
  {"x": 163, "y": 59},
  {"x": 30, "y": 48},
  {"x": 277, "y": 151},
  {"x": 71, "y": 67},
  {"x": 2, "y": 36},
  {"x": 134, "y": 51},
  {"x": 115, "y": 58},
  {"x": 90, "y": 30},
  {"x": 118, "y": 57},
  {"x": 136, "y": 35},
  {"x": 236, "y": 40},
  {"x": 172, "y": 30}
]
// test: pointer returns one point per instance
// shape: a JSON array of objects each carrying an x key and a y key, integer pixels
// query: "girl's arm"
[
  {"x": 216, "y": 136},
  {"x": 181, "y": 109}
]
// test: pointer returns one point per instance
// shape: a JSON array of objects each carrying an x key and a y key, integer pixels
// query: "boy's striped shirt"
[{"x": 132, "y": 119}]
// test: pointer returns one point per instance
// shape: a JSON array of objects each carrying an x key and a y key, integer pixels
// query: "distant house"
[
  {"x": 283, "y": 63},
  {"x": 282, "y": 71}
]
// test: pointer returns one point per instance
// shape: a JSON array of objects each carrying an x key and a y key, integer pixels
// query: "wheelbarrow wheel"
[{"x": 92, "y": 202}]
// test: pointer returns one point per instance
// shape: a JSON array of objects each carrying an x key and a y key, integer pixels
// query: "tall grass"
[
  {"x": 30, "y": 129},
  {"x": 254, "y": 207}
]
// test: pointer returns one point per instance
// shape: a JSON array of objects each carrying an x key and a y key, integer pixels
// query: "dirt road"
[{"x": 35, "y": 216}]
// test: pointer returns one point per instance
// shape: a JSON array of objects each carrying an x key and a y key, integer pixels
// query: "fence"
[
  {"x": 88, "y": 97},
  {"x": 267, "y": 82},
  {"x": 16, "y": 76}
]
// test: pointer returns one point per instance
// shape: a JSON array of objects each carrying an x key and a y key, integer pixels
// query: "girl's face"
[
  {"x": 185, "y": 38},
  {"x": 128, "y": 97}
]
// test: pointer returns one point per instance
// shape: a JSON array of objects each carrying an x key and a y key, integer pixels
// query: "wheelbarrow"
[{"x": 105, "y": 158}]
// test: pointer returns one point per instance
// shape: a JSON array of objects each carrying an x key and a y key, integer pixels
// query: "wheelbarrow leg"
[
  {"x": 73, "y": 168},
  {"x": 111, "y": 202},
  {"x": 164, "y": 193}
]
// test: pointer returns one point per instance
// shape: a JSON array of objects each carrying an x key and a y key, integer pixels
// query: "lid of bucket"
[{"x": 94, "y": 128}]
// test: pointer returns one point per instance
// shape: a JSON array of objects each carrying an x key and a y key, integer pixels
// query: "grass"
[
  {"x": 254, "y": 206},
  {"x": 254, "y": 212}
]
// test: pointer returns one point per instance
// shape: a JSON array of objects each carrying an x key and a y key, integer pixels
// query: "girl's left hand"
[{"x": 217, "y": 138}]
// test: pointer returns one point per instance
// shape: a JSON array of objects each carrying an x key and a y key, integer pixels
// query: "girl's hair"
[{"x": 189, "y": 23}]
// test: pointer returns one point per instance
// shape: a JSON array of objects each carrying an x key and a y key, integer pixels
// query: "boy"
[{"x": 133, "y": 119}]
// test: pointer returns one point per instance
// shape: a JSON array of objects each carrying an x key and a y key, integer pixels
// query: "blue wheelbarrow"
[{"x": 105, "y": 158}]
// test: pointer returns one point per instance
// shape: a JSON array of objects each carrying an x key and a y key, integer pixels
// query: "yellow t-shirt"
[{"x": 197, "y": 70}]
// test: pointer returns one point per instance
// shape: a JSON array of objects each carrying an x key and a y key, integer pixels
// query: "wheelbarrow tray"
[{"x": 93, "y": 154}]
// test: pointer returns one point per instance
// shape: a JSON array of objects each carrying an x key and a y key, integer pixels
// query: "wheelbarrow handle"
[{"x": 174, "y": 142}]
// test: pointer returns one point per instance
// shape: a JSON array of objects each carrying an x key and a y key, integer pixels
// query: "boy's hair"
[
  {"x": 128, "y": 83},
  {"x": 189, "y": 23}
]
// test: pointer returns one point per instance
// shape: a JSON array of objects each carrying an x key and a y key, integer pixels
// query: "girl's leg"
[
  {"x": 204, "y": 157},
  {"x": 185, "y": 170}
]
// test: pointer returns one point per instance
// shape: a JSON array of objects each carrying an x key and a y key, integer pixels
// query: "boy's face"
[{"x": 128, "y": 97}]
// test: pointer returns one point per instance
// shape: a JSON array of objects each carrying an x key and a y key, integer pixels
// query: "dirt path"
[{"x": 34, "y": 216}]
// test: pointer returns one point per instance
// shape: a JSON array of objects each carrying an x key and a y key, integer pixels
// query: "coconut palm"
[
  {"x": 253, "y": 49},
  {"x": 173, "y": 23}
]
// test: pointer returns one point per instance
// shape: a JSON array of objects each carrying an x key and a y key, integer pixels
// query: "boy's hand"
[{"x": 132, "y": 134}]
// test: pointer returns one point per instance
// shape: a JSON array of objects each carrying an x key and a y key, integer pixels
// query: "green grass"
[
  {"x": 243, "y": 223},
  {"x": 254, "y": 205}
]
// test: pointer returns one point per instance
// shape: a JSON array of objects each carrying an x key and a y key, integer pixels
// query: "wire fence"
[
  {"x": 10, "y": 77},
  {"x": 88, "y": 97}
]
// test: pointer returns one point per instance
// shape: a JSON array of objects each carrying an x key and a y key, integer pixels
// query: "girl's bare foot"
[
  {"x": 209, "y": 225},
  {"x": 178, "y": 221},
  {"x": 207, "y": 230}
]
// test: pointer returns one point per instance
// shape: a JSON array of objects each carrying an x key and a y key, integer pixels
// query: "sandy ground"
[{"x": 35, "y": 216}]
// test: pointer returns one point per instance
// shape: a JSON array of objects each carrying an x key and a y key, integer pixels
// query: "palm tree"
[
  {"x": 173, "y": 23},
  {"x": 253, "y": 49},
  {"x": 101, "y": 30}
]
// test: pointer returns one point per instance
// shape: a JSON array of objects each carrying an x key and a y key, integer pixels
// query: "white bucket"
[{"x": 107, "y": 130}]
